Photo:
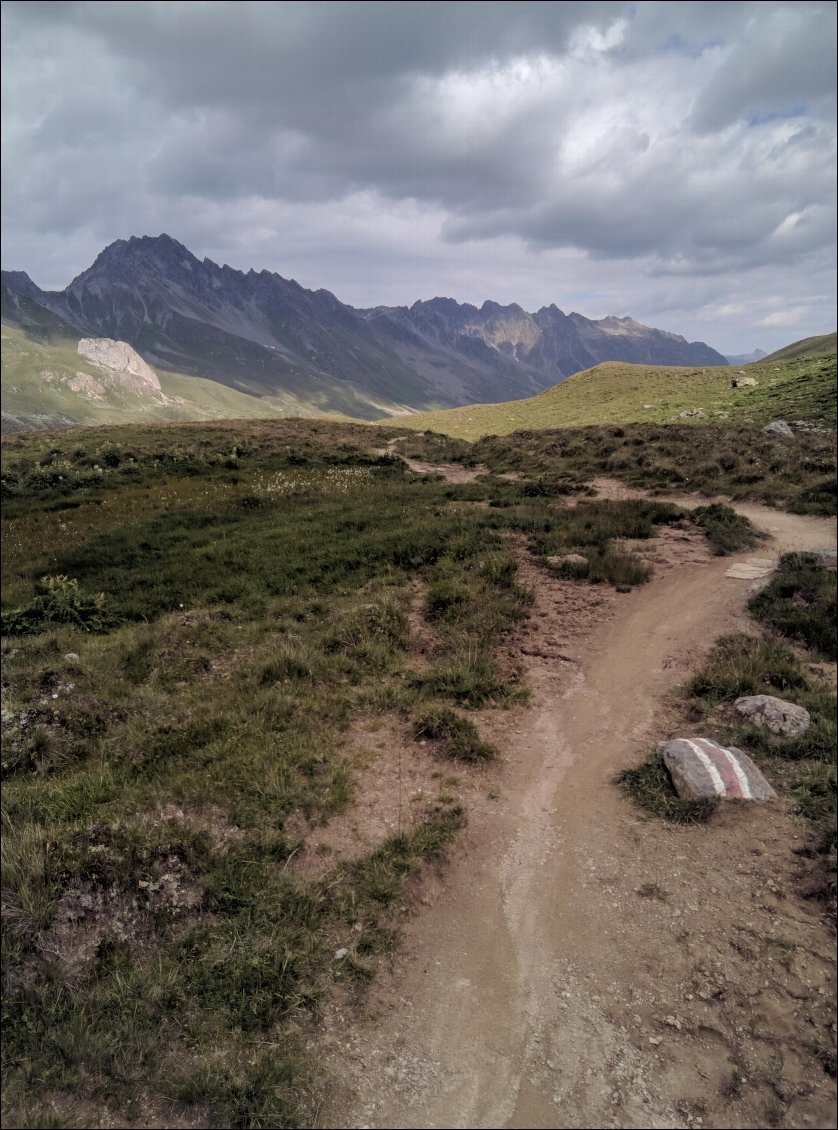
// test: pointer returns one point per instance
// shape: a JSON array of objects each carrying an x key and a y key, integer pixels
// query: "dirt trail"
[{"x": 579, "y": 966}]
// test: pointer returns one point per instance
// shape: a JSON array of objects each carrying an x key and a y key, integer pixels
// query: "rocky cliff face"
[
  {"x": 123, "y": 365},
  {"x": 263, "y": 334}
]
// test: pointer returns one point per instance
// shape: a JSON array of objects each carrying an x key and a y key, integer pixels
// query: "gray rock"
[
  {"x": 568, "y": 559},
  {"x": 744, "y": 382},
  {"x": 778, "y": 428},
  {"x": 826, "y": 558},
  {"x": 702, "y": 769},
  {"x": 691, "y": 412},
  {"x": 341, "y": 954},
  {"x": 775, "y": 714}
]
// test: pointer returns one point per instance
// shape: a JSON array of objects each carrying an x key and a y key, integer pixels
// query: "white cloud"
[
  {"x": 791, "y": 317},
  {"x": 668, "y": 160}
]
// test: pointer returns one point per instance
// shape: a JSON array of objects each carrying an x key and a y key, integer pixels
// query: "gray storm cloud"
[{"x": 684, "y": 140}]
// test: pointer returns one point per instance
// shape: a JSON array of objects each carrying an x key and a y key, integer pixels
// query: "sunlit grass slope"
[
  {"x": 798, "y": 388},
  {"x": 32, "y": 400}
]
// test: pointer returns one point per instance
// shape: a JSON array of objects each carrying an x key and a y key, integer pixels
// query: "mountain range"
[
  {"x": 305, "y": 352},
  {"x": 747, "y": 358}
]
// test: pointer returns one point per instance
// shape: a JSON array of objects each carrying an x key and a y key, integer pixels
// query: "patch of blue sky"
[
  {"x": 678, "y": 45},
  {"x": 760, "y": 117}
]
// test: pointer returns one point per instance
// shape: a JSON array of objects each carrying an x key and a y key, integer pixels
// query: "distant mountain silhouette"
[
  {"x": 268, "y": 336},
  {"x": 747, "y": 358}
]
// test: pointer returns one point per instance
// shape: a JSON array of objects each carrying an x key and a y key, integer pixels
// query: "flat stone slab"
[
  {"x": 701, "y": 769},
  {"x": 751, "y": 569},
  {"x": 780, "y": 717}
]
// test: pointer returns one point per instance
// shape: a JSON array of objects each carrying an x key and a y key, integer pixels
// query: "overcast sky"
[{"x": 675, "y": 162}]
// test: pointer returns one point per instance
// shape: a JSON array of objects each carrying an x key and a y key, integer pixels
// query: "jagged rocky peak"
[
  {"x": 145, "y": 254},
  {"x": 119, "y": 360},
  {"x": 20, "y": 281}
]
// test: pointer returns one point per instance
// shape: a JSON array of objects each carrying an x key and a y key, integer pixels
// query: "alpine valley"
[{"x": 227, "y": 343}]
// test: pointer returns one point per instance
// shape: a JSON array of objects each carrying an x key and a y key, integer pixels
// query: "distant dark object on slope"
[{"x": 268, "y": 336}]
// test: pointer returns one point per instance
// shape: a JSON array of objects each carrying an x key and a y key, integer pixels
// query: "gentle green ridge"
[
  {"x": 800, "y": 386},
  {"x": 31, "y": 401},
  {"x": 807, "y": 346}
]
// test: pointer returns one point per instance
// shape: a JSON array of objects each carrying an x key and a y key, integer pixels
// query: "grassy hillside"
[
  {"x": 807, "y": 347},
  {"x": 798, "y": 388},
  {"x": 31, "y": 399}
]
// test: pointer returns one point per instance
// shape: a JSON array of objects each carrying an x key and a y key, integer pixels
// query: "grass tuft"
[
  {"x": 799, "y": 602},
  {"x": 650, "y": 786},
  {"x": 456, "y": 737},
  {"x": 727, "y": 531}
]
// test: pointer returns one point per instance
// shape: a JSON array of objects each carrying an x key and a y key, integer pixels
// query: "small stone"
[
  {"x": 654, "y": 1040},
  {"x": 786, "y": 719},
  {"x": 71, "y": 656},
  {"x": 341, "y": 954}
]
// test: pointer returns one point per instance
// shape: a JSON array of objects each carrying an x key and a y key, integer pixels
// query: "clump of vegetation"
[
  {"x": 470, "y": 679},
  {"x": 60, "y": 600},
  {"x": 736, "y": 460},
  {"x": 745, "y": 665},
  {"x": 611, "y": 564},
  {"x": 727, "y": 531},
  {"x": 799, "y": 602},
  {"x": 591, "y": 529},
  {"x": 455, "y": 736},
  {"x": 650, "y": 785}
]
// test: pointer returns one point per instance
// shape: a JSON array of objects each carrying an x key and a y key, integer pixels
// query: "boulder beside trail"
[
  {"x": 744, "y": 382},
  {"x": 775, "y": 714},
  {"x": 701, "y": 769}
]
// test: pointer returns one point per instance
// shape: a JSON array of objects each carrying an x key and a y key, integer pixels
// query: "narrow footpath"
[{"x": 578, "y": 965}]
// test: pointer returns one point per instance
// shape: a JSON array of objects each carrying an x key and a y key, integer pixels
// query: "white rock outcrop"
[{"x": 122, "y": 363}]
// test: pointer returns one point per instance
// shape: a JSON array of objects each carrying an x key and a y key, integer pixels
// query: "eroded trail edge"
[{"x": 577, "y": 965}]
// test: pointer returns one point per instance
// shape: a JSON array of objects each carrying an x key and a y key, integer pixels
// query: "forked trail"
[{"x": 578, "y": 966}]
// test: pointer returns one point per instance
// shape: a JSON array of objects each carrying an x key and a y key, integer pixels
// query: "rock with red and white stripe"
[
  {"x": 780, "y": 717},
  {"x": 700, "y": 769}
]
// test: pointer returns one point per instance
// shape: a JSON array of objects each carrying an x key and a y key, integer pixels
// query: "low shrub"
[
  {"x": 457, "y": 737},
  {"x": 60, "y": 601},
  {"x": 650, "y": 785},
  {"x": 727, "y": 531},
  {"x": 800, "y": 603}
]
